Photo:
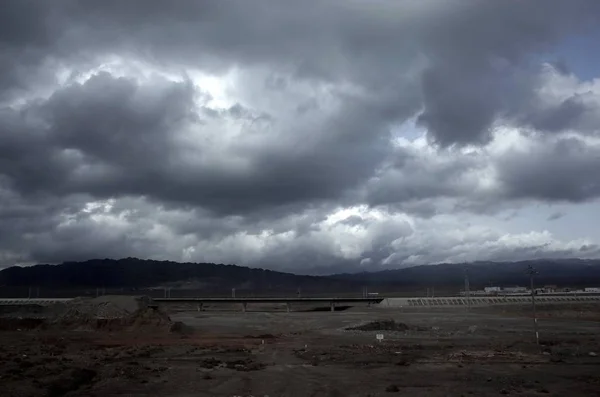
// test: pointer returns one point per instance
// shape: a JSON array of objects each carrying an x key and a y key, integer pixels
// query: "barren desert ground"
[{"x": 488, "y": 352}]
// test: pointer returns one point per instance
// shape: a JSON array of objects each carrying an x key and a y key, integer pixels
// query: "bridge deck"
[{"x": 266, "y": 300}]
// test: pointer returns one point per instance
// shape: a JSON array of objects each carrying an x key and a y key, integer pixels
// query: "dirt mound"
[
  {"x": 103, "y": 307},
  {"x": 112, "y": 312},
  {"x": 383, "y": 325}
]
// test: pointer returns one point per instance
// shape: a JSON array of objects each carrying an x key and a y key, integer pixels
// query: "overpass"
[
  {"x": 288, "y": 301},
  {"x": 200, "y": 302},
  {"x": 407, "y": 302}
]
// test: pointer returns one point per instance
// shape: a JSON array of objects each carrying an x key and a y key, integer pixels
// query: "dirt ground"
[{"x": 229, "y": 353}]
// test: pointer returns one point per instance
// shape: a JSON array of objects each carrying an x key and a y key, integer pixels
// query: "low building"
[
  {"x": 514, "y": 290},
  {"x": 492, "y": 290}
]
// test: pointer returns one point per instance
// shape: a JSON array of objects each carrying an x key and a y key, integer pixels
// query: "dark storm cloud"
[
  {"x": 409, "y": 177},
  {"x": 27, "y": 29},
  {"x": 561, "y": 170},
  {"x": 579, "y": 112},
  {"x": 93, "y": 137},
  {"x": 177, "y": 180},
  {"x": 479, "y": 55},
  {"x": 471, "y": 49},
  {"x": 113, "y": 136},
  {"x": 560, "y": 117}
]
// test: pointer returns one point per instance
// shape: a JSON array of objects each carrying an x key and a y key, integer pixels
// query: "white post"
[
  {"x": 467, "y": 292},
  {"x": 532, "y": 272}
]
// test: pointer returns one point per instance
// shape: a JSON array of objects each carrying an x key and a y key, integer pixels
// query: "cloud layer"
[{"x": 314, "y": 137}]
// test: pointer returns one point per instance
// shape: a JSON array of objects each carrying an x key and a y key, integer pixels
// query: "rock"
[
  {"x": 592, "y": 354},
  {"x": 392, "y": 389}
]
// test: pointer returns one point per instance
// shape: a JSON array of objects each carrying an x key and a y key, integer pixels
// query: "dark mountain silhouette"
[
  {"x": 562, "y": 272},
  {"x": 133, "y": 272},
  {"x": 138, "y": 273}
]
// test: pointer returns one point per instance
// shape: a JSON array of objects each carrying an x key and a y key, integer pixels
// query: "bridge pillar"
[
  {"x": 288, "y": 306},
  {"x": 332, "y": 306},
  {"x": 244, "y": 304}
]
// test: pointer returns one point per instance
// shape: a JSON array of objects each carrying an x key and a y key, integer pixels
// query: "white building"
[
  {"x": 491, "y": 290},
  {"x": 514, "y": 290}
]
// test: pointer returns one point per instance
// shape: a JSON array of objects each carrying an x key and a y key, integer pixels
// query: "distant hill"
[
  {"x": 562, "y": 272},
  {"x": 138, "y": 273}
]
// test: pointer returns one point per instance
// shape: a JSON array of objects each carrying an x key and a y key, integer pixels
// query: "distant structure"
[
  {"x": 492, "y": 290},
  {"x": 518, "y": 290},
  {"x": 514, "y": 290}
]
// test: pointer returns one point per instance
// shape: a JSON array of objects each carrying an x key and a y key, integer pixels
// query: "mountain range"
[{"x": 209, "y": 277}]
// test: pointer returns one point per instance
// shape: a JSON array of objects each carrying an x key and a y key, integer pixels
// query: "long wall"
[{"x": 483, "y": 301}]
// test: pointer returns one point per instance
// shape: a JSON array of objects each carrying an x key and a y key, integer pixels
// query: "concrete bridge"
[
  {"x": 200, "y": 302},
  {"x": 414, "y": 302}
]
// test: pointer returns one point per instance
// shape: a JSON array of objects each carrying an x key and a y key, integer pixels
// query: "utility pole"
[
  {"x": 532, "y": 272},
  {"x": 233, "y": 292},
  {"x": 467, "y": 291}
]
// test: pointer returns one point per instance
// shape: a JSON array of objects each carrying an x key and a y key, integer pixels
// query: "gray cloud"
[
  {"x": 471, "y": 51},
  {"x": 556, "y": 215},
  {"x": 559, "y": 170},
  {"x": 112, "y": 136},
  {"x": 561, "y": 116},
  {"x": 110, "y": 145}
]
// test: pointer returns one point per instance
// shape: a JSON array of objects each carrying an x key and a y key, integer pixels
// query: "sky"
[{"x": 311, "y": 136}]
